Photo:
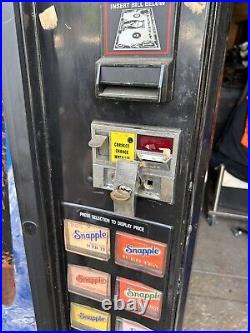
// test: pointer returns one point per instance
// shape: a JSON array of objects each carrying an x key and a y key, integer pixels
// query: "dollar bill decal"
[{"x": 137, "y": 30}]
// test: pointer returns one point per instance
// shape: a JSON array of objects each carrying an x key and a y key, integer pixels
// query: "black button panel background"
[{"x": 152, "y": 230}]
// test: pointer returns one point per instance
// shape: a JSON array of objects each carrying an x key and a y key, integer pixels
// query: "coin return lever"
[
  {"x": 123, "y": 194},
  {"x": 131, "y": 162}
]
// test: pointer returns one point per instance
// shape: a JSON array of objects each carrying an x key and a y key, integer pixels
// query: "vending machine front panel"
[{"x": 110, "y": 137}]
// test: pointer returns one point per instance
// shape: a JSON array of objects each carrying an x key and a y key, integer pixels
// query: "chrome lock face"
[
  {"x": 122, "y": 193},
  {"x": 134, "y": 161}
]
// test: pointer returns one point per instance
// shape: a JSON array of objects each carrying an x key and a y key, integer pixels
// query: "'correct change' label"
[
  {"x": 140, "y": 253},
  {"x": 87, "y": 239},
  {"x": 86, "y": 318},
  {"x": 88, "y": 282},
  {"x": 122, "y": 146}
]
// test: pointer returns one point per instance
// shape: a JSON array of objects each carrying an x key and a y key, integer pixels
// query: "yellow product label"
[
  {"x": 85, "y": 317},
  {"x": 87, "y": 239},
  {"x": 122, "y": 146}
]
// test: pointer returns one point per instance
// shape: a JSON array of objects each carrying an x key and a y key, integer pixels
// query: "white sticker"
[
  {"x": 196, "y": 7},
  {"x": 48, "y": 18}
]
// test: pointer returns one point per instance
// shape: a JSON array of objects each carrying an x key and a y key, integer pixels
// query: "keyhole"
[{"x": 148, "y": 184}]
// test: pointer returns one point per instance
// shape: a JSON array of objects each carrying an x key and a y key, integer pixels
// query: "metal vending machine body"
[{"x": 110, "y": 118}]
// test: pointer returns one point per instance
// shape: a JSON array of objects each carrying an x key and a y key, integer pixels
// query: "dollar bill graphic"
[{"x": 137, "y": 30}]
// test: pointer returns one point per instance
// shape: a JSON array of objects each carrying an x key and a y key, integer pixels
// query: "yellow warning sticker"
[
  {"x": 122, "y": 146},
  {"x": 86, "y": 318}
]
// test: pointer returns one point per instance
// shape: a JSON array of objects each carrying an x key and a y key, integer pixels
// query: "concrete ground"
[{"x": 217, "y": 298}]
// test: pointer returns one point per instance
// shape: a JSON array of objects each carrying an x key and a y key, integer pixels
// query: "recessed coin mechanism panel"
[{"x": 134, "y": 161}]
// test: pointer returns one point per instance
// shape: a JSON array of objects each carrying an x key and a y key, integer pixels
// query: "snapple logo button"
[
  {"x": 141, "y": 254},
  {"x": 87, "y": 239},
  {"x": 147, "y": 299},
  {"x": 86, "y": 318},
  {"x": 88, "y": 282}
]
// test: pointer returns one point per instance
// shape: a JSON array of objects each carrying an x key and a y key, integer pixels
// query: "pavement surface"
[{"x": 218, "y": 291}]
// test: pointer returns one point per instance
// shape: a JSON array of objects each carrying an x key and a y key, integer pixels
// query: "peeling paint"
[
  {"x": 48, "y": 18},
  {"x": 196, "y": 7},
  {"x": 58, "y": 41}
]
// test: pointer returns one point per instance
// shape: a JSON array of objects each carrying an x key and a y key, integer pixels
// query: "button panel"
[{"x": 135, "y": 273}]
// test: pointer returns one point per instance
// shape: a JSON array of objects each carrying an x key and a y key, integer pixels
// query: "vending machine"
[{"x": 110, "y": 108}]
